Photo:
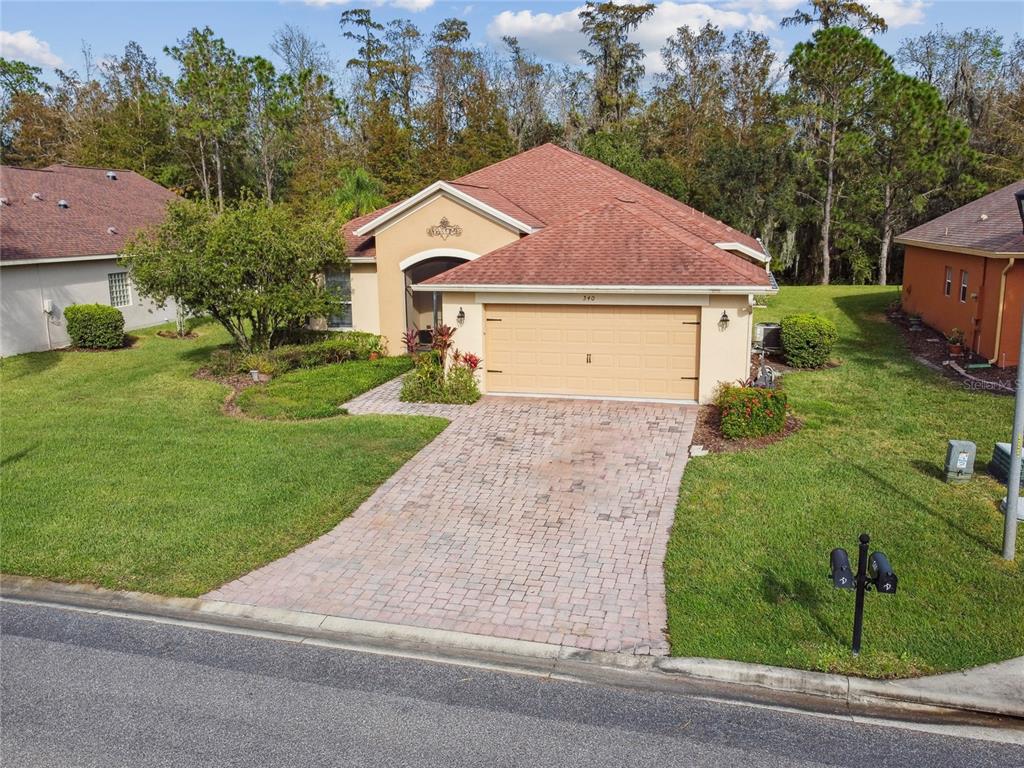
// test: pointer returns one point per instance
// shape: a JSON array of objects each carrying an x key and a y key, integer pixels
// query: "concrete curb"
[
  {"x": 852, "y": 690},
  {"x": 852, "y": 693}
]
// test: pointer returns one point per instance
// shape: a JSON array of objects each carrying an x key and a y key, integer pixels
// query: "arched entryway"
[{"x": 423, "y": 308}]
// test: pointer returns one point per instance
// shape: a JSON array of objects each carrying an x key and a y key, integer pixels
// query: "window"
[
  {"x": 339, "y": 282},
  {"x": 963, "y": 286},
  {"x": 949, "y": 281},
  {"x": 120, "y": 294}
]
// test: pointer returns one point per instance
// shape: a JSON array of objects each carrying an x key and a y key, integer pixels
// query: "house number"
[{"x": 589, "y": 297}]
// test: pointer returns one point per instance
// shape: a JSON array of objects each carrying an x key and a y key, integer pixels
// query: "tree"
[
  {"x": 212, "y": 102},
  {"x": 523, "y": 86},
  {"x": 16, "y": 78},
  {"x": 450, "y": 68},
  {"x": 275, "y": 106},
  {"x": 356, "y": 194},
  {"x": 617, "y": 62},
  {"x": 253, "y": 268},
  {"x": 826, "y": 14},
  {"x": 832, "y": 83},
  {"x": 299, "y": 52},
  {"x": 913, "y": 142}
]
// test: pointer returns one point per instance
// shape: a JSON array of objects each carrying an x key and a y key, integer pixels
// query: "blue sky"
[{"x": 50, "y": 34}]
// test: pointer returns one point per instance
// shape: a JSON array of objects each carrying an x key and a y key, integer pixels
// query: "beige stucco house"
[{"x": 567, "y": 277}]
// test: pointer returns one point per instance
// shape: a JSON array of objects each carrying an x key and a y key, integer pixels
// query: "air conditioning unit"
[{"x": 768, "y": 336}]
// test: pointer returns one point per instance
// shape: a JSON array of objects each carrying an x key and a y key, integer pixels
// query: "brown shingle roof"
[
  {"x": 41, "y": 230},
  {"x": 991, "y": 224},
  {"x": 549, "y": 186},
  {"x": 615, "y": 244}
]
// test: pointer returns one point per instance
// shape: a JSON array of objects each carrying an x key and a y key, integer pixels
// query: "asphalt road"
[{"x": 80, "y": 689}]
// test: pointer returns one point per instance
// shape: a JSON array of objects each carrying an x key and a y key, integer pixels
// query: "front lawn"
[
  {"x": 748, "y": 557},
  {"x": 315, "y": 393},
  {"x": 119, "y": 469}
]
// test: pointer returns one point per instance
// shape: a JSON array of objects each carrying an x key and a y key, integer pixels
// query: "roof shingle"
[
  {"x": 990, "y": 223},
  {"x": 101, "y": 214}
]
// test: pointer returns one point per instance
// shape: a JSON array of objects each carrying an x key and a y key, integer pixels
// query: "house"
[
  {"x": 964, "y": 270},
  {"x": 565, "y": 276},
  {"x": 61, "y": 229}
]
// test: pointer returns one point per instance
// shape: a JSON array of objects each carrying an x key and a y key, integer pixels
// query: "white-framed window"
[
  {"x": 963, "y": 286},
  {"x": 949, "y": 281},
  {"x": 120, "y": 291},
  {"x": 339, "y": 281}
]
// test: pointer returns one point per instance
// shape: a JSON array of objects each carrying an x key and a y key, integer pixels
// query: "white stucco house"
[{"x": 61, "y": 229}]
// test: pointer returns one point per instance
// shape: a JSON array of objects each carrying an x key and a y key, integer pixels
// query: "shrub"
[
  {"x": 336, "y": 348},
  {"x": 440, "y": 377},
  {"x": 95, "y": 326},
  {"x": 264, "y": 362},
  {"x": 350, "y": 345},
  {"x": 751, "y": 411},
  {"x": 808, "y": 340}
]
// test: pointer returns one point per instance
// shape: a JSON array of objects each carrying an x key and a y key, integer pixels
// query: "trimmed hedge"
[
  {"x": 337, "y": 348},
  {"x": 95, "y": 326},
  {"x": 751, "y": 411},
  {"x": 808, "y": 340}
]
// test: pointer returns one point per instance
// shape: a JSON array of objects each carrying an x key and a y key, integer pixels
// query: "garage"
[{"x": 599, "y": 351}]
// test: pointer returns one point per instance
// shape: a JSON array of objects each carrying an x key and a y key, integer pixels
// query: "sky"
[{"x": 51, "y": 34}]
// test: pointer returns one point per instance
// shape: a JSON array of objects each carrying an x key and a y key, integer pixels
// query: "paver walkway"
[{"x": 533, "y": 519}]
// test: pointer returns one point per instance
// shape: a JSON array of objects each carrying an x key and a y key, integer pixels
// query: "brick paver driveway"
[{"x": 535, "y": 519}]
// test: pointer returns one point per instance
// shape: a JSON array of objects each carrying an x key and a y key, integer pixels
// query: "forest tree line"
[{"x": 825, "y": 156}]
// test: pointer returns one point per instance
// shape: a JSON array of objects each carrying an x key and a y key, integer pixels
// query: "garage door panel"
[{"x": 633, "y": 351}]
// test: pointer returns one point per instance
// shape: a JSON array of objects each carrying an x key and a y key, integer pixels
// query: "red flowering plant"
[
  {"x": 443, "y": 338},
  {"x": 445, "y": 375},
  {"x": 411, "y": 338},
  {"x": 751, "y": 411},
  {"x": 469, "y": 360}
]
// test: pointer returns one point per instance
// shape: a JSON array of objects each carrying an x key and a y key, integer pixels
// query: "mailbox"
[
  {"x": 842, "y": 576},
  {"x": 880, "y": 573}
]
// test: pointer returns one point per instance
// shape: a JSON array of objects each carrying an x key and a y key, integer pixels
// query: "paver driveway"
[{"x": 534, "y": 519}]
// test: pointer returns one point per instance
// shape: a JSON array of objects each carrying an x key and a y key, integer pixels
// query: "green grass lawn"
[
  {"x": 316, "y": 393},
  {"x": 119, "y": 469},
  {"x": 748, "y": 558}
]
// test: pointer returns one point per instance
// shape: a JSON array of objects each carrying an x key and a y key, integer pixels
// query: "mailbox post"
[{"x": 874, "y": 571}]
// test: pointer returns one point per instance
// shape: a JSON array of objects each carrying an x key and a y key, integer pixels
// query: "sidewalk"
[{"x": 994, "y": 689}]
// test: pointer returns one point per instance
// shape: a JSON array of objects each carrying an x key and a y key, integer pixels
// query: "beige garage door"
[{"x": 599, "y": 351}]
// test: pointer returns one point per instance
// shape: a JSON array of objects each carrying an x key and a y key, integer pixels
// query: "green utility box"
[{"x": 960, "y": 461}]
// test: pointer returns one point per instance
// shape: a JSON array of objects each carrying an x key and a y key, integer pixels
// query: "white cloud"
[
  {"x": 899, "y": 13},
  {"x": 24, "y": 46},
  {"x": 557, "y": 36},
  {"x": 414, "y": 6}
]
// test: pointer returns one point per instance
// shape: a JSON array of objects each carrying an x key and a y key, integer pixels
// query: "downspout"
[{"x": 999, "y": 311}]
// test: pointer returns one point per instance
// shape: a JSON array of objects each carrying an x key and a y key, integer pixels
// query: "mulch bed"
[
  {"x": 929, "y": 347},
  {"x": 236, "y": 381},
  {"x": 708, "y": 433},
  {"x": 174, "y": 335}
]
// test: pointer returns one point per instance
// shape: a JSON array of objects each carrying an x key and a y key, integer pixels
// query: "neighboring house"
[
  {"x": 963, "y": 270},
  {"x": 61, "y": 229},
  {"x": 565, "y": 276}
]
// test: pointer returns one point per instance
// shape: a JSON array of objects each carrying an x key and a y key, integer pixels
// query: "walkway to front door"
[{"x": 533, "y": 519}]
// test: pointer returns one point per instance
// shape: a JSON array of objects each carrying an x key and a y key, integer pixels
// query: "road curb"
[
  {"x": 852, "y": 693},
  {"x": 852, "y": 690}
]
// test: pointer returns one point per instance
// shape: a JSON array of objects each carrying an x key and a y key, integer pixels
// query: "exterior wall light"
[
  {"x": 723, "y": 321},
  {"x": 461, "y": 317}
]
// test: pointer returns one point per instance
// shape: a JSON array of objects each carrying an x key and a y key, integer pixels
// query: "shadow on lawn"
[
  {"x": 800, "y": 592},
  {"x": 988, "y": 546}
]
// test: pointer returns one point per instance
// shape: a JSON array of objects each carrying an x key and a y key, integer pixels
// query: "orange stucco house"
[{"x": 965, "y": 270}]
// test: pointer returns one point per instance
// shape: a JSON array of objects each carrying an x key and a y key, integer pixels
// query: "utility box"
[
  {"x": 999, "y": 467},
  {"x": 960, "y": 461},
  {"x": 768, "y": 336}
]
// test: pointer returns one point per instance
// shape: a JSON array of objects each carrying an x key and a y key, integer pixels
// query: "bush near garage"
[
  {"x": 808, "y": 339},
  {"x": 95, "y": 326},
  {"x": 751, "y": 411}
]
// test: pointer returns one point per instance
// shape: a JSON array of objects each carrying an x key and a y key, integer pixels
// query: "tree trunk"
[
  {"x": 826, "y": 224},
  {"x": 204, "y": 174},
  {"x": 883, "y": 256},
  {"x": 220, "y": 175}
]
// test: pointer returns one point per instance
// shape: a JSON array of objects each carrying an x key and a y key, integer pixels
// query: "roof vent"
[
  {"x": 983, "y": 217},
  {"x": 62, "y": 204},
  {"x": 36, "y": 196},
  {"x": 4, "y": 201},
  {"x": 111, "y": 230},
  {"x": 1019, "y": 194},
  {"x": 112, "y": 175}
]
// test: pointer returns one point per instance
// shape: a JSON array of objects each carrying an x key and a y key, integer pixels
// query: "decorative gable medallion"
[{"x": 444, "y": 229}]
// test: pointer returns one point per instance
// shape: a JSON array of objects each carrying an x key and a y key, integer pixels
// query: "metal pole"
[
  {"x": 862, "y": 585},
  {"x": 1013, "y": 481}
]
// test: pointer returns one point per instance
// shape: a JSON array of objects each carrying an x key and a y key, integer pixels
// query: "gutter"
[
  {"x": 999, "y": 315},
  {"x": 602, "y": 289}
]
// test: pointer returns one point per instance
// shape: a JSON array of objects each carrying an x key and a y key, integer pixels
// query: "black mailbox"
[
  {"x": 842, "y": 576},
  {"x": 880, "y": 573}
]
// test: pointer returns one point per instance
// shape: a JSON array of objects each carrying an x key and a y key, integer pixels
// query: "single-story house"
[
  {"x": 61, "y": 229},
  {"x": 565, "y": 276},
  {"x": 965, "y": 270}
]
